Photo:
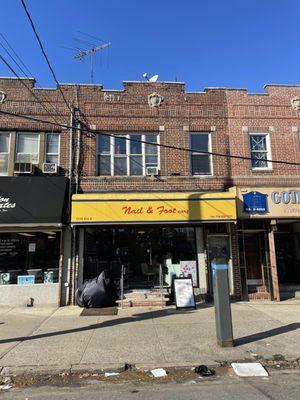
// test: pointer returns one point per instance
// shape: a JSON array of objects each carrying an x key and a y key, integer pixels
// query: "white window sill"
[{"x": 261, "y": 169}]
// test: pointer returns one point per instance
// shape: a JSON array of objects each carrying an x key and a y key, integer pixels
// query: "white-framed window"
[
  {"x": 201, "y": 161},
  {"x": 27, "y": 147},
  {"x": 52, "y": 143},
  {"x": 117, "y": 156},
  {"x": 4, "y": 152},
  {"x": 260, "y": 151}
]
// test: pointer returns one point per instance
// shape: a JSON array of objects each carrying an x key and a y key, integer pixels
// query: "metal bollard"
[{"x": 222, "y": 303}]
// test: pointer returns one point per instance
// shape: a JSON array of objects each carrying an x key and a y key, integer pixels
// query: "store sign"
[
  {"x": 268, "y": 202},
  {"x": 6, "y": 203},
  {"x": 127, "y": 208},
  {"x": 255, "y": 203},
  {"x": 33, "y": 200}
]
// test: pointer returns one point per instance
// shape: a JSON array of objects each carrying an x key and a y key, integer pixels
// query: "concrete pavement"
[{"x": 46, "y": 338}]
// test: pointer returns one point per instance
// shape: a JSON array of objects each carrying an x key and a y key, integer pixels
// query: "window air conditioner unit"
[
  {"x": 152, "y": 171},
  {"x": 50, "y": 168},
  {"x": 24, "y": 168}
]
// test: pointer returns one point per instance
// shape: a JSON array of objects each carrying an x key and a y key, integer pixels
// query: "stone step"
[
  {"x": 142, "y": 303},
  {"x": 259, "y": 296},
  {"x": 144, "y": 295}
]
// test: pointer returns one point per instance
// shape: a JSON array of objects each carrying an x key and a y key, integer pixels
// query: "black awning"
[{"x": 33, "y": 200}]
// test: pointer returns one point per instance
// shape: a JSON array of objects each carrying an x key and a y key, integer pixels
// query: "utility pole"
[{"x": 91, "y": 52}]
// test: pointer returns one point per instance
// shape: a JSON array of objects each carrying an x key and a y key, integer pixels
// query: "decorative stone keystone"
[
  {"x": 155, "y": 100},
  {"x": 295, "y": 101},
  {"x": 2, "y": 97}
]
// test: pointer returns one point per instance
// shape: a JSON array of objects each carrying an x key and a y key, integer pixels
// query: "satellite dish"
[
  {"x": 145, "y": 75},
  {"x": 153, "y": 78}
]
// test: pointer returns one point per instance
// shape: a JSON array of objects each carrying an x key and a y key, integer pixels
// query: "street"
[{"x": 279, "y": 385}]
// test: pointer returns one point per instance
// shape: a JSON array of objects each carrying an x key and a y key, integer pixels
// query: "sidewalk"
[{"x": 46, "y": 338}]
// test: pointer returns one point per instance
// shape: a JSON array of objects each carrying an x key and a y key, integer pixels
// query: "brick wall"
[{"x": 229, "y": 114}]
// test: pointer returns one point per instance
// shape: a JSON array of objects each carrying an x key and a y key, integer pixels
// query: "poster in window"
[
  {"x": 4, "y": 278},
  {"x": 26, "y": 279},
  {"x": 189, "y": 268},
  {"x": 31, "y": 247},
  {"x": 48, "y": 277},
  {"x": 184, "y": 293}
]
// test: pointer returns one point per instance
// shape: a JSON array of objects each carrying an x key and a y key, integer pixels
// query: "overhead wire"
[
  {"x": 94, "y": 132},
  {"x": 54, "y": 108},
  {"x": 44, "y": 53},
  {"x": 28, "y": 88},
  {"x": 13, "y": 59}
]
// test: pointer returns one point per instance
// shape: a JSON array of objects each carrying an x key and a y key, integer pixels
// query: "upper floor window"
[
  {"x": 4, "y": 152},
  {"x": 27, "y": 148},
  {"x": 52, "y": 148},
  {"x": 260, "y": 151},
  {"x": 127, "y": 155},
  {"x": 201, "y": 160}
]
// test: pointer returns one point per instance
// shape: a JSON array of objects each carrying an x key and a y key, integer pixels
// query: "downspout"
[{"x": 70, "y": 259}]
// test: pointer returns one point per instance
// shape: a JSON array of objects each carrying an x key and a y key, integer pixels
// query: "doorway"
[{"x": 288, "y": 262}]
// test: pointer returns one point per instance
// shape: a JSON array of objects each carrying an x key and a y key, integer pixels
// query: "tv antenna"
[
  {"x": 88, "y": 48},
  {"x": 91, "y": 53}
]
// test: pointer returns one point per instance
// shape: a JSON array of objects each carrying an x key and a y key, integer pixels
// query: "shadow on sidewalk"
[
  {"x": 113, "y": 322},
  {"x": 266, "y": 334}
]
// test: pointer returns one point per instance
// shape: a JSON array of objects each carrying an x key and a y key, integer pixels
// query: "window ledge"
[
  {"x": 144, "y": 177},
  {"x": 263, "y": 170}
]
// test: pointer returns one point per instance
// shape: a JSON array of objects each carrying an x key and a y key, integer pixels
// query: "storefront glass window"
[
  {"x": 29, "y": 257},
  {"x": 141, "y": 250}
]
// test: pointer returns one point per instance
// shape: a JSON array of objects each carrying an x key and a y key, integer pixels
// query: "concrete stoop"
[
  {"x": 140, "y": 298},
  {"x": 259, "y": 293}
]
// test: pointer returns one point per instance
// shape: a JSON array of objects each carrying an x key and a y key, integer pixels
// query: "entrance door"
[
  {"x": 253, "y": 258},
  {"x": 287, "y": 258}
]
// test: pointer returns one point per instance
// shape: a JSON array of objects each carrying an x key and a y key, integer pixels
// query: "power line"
[
  {"x": 44, "y": 53},
  {"x": 28, "y": 88},
  {"x": 55, "y": 109},
  {"x": 167, "y": 146},
  {"x": 12, "y": 58}
]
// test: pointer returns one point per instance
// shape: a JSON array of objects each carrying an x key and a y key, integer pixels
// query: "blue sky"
[{"x": 232, "y": 43}]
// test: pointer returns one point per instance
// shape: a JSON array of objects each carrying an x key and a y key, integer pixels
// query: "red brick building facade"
[{"x": 232, "y": 122}]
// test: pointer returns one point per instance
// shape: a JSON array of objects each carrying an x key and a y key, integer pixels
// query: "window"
[
  {"x": 52, "y": 148},
  {"x": 201, "y": 161},
  {"x": 4, "y": 152},
  {"x": 127, "y": 155},
  {"x": 260, "y": 151},
  {"x": 27, "y": 148},
  {"x": 29, "y": 253}
]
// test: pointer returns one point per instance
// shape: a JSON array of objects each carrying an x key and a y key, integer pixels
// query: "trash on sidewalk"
[
  {"x": 107, "y": 374},
  {"x": 129, "y": 367},
  {"x": 5, "y": 387},
  {"x": 158, "y": 372},
  {"x": 249, "y": 369},
  {"x": 203, "y": 370}
]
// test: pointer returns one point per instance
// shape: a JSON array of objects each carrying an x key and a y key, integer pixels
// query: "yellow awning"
[{"x": 152, "y": 207}]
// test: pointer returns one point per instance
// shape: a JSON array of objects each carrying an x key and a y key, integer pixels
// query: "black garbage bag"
[
  {"x": 99, "y": 292},
  {"x": 203, "y": 370}
]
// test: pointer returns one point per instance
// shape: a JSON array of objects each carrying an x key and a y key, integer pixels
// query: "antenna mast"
[{"x": 91, "y": 52}]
